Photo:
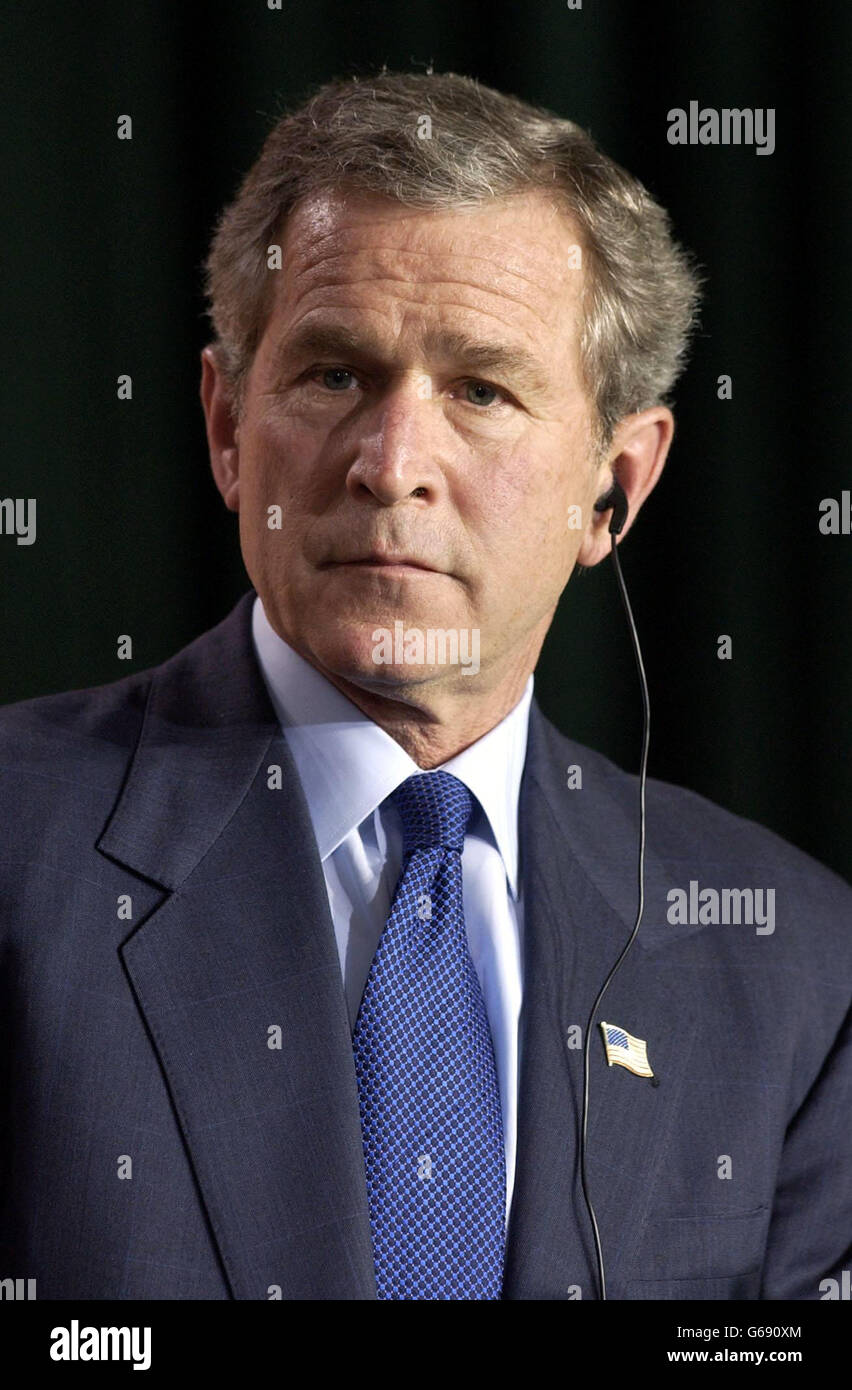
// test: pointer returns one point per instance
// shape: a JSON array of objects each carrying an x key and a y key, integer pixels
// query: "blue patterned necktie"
[{"x": 430, "y": 1105}]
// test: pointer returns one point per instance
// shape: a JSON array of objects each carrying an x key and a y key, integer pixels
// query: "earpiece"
[{"x": 616, "y": 499}]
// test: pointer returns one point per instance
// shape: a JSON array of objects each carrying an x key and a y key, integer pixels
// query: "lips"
[{"x": 386, "y": 561}]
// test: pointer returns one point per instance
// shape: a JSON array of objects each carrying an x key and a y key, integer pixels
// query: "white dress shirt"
[{"x": 348, "y": 766}]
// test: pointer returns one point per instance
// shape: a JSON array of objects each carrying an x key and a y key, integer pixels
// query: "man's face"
[{"x": 416, "y": 397}]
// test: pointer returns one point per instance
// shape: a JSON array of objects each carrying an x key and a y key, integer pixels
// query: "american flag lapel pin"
[{"x": 623, "y": 1050}]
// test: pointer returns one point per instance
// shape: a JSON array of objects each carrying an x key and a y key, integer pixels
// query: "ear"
[
  {"x": 222, "y": 430},
  {"x": 635, "y": 457}
]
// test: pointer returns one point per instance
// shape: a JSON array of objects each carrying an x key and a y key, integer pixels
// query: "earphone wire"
[{"x": 646, "y": 731}]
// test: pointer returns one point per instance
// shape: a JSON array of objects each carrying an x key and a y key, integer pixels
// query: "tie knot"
[{"x": 435, "y": 808}]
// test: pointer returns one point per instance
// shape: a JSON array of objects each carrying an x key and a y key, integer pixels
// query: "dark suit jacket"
[{"x": 162, "y": 908}]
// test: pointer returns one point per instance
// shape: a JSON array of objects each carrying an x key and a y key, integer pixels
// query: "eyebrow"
[{"x": 331, "y": 340}]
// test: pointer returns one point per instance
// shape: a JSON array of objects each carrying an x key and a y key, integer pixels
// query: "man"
[{"x": 302, "y": 930}]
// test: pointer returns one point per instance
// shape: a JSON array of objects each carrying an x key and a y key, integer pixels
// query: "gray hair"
[{"x": 640, "y": 291}]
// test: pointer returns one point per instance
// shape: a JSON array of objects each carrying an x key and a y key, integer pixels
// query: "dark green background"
[{"x": 102, "y": 246}]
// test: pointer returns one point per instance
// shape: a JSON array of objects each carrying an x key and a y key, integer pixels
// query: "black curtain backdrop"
[{"x": 102, "y": 246}]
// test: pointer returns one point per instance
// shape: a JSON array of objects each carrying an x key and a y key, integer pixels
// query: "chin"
[
  {"x": 354, "y": 654},
  {"x": 347, "y": 651},
  {"x": 400, "y": 654}
]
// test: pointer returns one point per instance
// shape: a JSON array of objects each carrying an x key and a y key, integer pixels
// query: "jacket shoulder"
[
  {"x": 63, "y": 759},
  {"x": 73, "y": 723},
  {"x": 689, "y": 833}
]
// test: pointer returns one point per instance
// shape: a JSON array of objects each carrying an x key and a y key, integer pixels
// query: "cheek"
[
  {"x": 278, "y": 469},
  {"x": 526, "y": 511}
]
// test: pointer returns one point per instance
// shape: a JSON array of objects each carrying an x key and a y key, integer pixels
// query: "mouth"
[{"x": 390, "y": 564}]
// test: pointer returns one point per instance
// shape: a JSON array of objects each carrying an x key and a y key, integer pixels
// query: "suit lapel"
[
  {"x": 238, "y": 978},
  {"x": 579, "y": 855}
]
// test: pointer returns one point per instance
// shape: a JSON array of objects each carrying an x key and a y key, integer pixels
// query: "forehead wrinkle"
[
  {"x": 343, "y": 219},
  {"x": 495, "y": 292},
  {"x": 309, "y": 264}
]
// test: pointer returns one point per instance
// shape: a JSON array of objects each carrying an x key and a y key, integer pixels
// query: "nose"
[{"x": 397, "y": 456}]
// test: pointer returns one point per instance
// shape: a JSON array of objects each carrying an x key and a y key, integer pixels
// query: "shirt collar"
[{"x": 348, "y": 765}]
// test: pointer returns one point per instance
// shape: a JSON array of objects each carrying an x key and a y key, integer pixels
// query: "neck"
[
  {"x": 436, "y": 719},
  {"x": 432, "y": 728}
]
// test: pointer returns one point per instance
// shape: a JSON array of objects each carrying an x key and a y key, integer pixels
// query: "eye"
[
  {"x": 479, "y": 393},
  {"x": 331, "y": 377},
  {"x": 482, "y": 394}
]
